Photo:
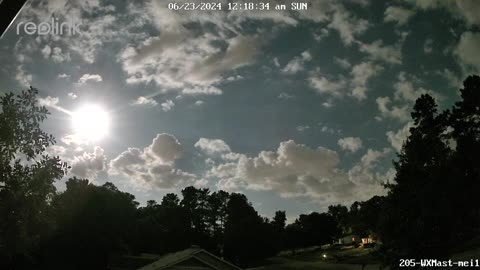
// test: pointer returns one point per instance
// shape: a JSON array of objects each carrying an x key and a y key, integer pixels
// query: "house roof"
[{"x": 206, "y": 258}]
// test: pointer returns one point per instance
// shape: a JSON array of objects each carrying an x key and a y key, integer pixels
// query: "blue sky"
[{"x": 296, "y": 109}]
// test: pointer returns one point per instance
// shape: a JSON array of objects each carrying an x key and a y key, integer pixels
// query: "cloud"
[
  {"x": 404, "y": 90},
  {"x": 397, "y": 138},
  {"x": 48, "y": 101},
  {"x": 302, "y": 128},
  {"x": 72, "y": 95},
  {"x": 361, "y": 73},
  {"x": 342, "y": 62},
  {"x": 212, "y": 146},
  {"x": 323, "y": 85},
  {"x": 347, "y": 25},
  {"x": 395, "y": 112},
  {"x": 297, "y": 63},
  {"x": 89, "y": 165},
  {"x": 352, "y": 144},
  {"x": 63, "y": 76},
  {"x": 467, "y": 51},
  {"x": 154, "y": 166},
  {"x": 167, "y": 105},
  {"x": 468, "y": 10},
  {"x": 364, "y": 172},
  {"x": 284, "y": 95},
  {"x": 398, "y": 15},
  {"x": 377, "y": 51},
  {"x": 202, "y": 90},
  {"x": 295, "y": 170},
  {"x": 178, "y": 60},
  {"x": 144, "y": 101},
  {"x": 46, "y": 51},
  {"x": 90, "y": 77}
]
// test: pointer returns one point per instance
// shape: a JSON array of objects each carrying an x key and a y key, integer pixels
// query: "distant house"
[
  {"x": 349, "y": 239},
  {"x": 193, "y": 258},
  {"x": 371, "y": 239}
]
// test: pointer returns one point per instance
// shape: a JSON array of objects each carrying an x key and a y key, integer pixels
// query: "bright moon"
[{"x": 91, "y": 122}]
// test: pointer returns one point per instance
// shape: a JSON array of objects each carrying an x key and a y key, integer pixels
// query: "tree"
[
  {"x": 92, "y": 222},
  {"x": 432, "y": 208},
  {"x": 27, "y": 175}
]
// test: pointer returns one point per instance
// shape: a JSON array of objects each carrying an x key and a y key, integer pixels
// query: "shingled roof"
[{"x": 192, "y": 258}]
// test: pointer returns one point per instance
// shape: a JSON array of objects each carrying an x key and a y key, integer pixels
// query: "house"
[
  {"x": 193, "y": 258},
  {"x": 369, "y": 240},
  {"x": 349, "y": 239}
]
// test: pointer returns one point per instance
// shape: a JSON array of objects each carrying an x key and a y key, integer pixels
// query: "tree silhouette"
[{"x": 26, "y": 177}]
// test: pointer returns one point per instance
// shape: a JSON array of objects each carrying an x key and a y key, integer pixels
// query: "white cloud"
[
  {"x": 58, "y": 56},
  {"x": 397, "y": 138},
  {"x": 212, "y": 146},
  {"x": 399, "y": 113},
  {"x": 404, "y": 90},
  {"x": 72, "y": 95},
  {"x": 202, "y": 90},
  {"x": 199, "y": 102},
  {"x": 364, "y": 172},
  {"x": 399, "y": 15},
  {"x": 89, "y": 165},
  {"x": 48, "y": 101},
  {"x": 347, "y": 25},
  {"x": 144, "y": 101},
  {"x": 467, "y": 51},
  {"x": 361, "y": 73},
  {"x": 342, "y": 62},
  {"x": 377, "y": 51},
  {"x": 46, "y": 51},
  {"x": 154, "y": 166},
  {"x": 295, "y": 170},
  {"x": 302, "y": 128},
  {"x": 352, "y": 144},
  {"x": 297, "y": 63},
  {"x": 167, "y": 105},
  {"x": 90, "y": 77},
  {"x": 325, "y": 86},
  {"x": 63, "y": 76},
  {"x": 284, "y": 95}
]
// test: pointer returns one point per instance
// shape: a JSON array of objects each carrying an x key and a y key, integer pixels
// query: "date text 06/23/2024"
[{"x": 236, "y": 6}]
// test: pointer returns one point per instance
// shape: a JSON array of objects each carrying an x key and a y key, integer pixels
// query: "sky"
[{"x": 296, "y": 109}]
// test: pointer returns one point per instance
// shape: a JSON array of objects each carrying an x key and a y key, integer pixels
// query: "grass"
[{"x": 341, "y": 258}]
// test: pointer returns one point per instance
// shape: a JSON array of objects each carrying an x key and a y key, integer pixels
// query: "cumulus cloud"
[
  {"x": 178, "y": 60},
  {"x": 397, "y": 138},
  {"x": 342, "y": 62},
  {"x": 398, "y": 15},
  {"x": 90, "y": 78},
  {"x": 467, "y": 51},
  {"x": 89, "y": 165},
  {"x": 323, "y": 85},
  {"x": 352, "y": 144},
  {"x": 144, "y": 101},
  {"x": 347, "y": 25},
  {"x": 377, "y": 51},
  {"x": 295, "y": 170},
  {"x": 361, "y": 74},
  {"x": 154, "y": 166},
  {"x": 167, "y": 105},
  {"x": 212, "y": 146},
  {"x": 297, "y": 63},
  {"x": 48, "y": 101},
  {"x": 395, "y": 112}
]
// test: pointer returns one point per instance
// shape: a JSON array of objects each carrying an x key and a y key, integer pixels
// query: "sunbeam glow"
[{"x": 91, "y": 122}]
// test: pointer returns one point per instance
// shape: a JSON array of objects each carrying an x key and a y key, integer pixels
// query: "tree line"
[{"x": 431, "y": 210}]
